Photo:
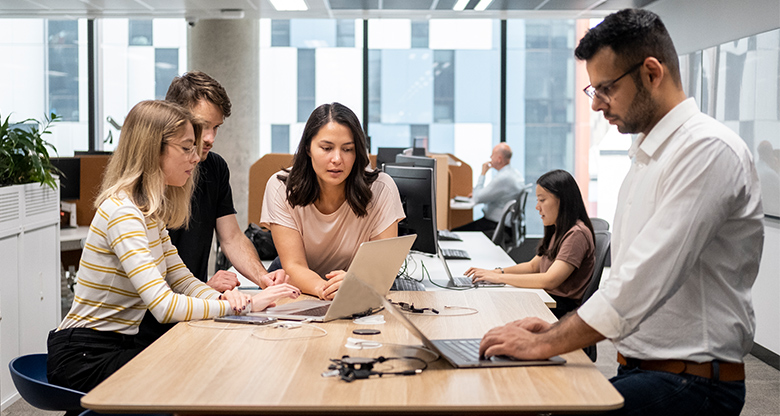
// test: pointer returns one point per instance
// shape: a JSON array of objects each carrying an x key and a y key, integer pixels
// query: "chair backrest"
[
  {"x": 499, "y": 234},
  {"x": 28, "y": 373},
  {"x": 602, "y": 252},
  {"x": 599, "y": 224},
  {"x": 512, "y": 218}
]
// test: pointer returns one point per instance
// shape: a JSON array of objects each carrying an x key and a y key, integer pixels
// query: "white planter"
[{"x": 29, "y": 274}]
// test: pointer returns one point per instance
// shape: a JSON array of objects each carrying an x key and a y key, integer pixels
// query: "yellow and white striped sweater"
[{"x": 128, "y": 265}]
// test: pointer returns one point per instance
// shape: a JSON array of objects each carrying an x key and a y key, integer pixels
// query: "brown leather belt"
[{"x": 715, "y": 370}]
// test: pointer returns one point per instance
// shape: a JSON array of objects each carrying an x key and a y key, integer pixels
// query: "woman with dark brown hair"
[{"x": 329, "y": 202}]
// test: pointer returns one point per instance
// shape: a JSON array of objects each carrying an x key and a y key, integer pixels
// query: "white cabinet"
[{"x": 29, "y": 274}]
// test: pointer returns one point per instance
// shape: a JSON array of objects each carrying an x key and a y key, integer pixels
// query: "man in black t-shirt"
[{"x": 212, "y": 203}]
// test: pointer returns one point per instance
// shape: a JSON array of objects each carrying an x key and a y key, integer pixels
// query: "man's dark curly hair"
[{"x": 633, "y": 34}]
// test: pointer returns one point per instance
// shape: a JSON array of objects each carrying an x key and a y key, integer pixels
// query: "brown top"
[{"x": 578, "y": 250}]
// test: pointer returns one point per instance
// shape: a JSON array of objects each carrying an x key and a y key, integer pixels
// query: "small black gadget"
[{"x": 366, "y": 331}]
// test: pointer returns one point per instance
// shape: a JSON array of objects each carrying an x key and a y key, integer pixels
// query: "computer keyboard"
[
  {"x": 407, "y": 284},
  {"x": 463, "y": 281},
  {"x": 455, "y": 254},
  {"x": 317, "y": 311},
  {"x": 447, "y": 235},
  {"x": 467, "y": 348}
]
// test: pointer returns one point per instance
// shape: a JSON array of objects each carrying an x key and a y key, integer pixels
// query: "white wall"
[{"x": 700, "y": 24}]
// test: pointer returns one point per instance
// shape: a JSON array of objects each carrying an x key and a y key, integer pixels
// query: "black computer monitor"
[
  {"x": 386, "y": 155},
  {"x": 70, "y": 177},
  {"x": 418, "y": 161},
  {"x": 416, "y": 187}
]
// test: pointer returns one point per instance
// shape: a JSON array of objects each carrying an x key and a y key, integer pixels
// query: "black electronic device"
[
  {"x": 386, "y": 155},
  {"x": 70, "y": 177},
  {"x": 416, "y": 188}
]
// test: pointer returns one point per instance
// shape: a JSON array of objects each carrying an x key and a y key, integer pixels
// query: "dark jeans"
[
  {"x": 563, "y": 305},
  {"x": 81, "y": 358},
  {"x": 661, "y": 393},
  {"x": 150, "y": 329}
]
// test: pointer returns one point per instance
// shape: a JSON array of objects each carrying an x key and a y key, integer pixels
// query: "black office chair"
[
  {"x": 603, "y": 243},
  {"x": 599, "y": 224},
  {"x": 513, "y": 222}
]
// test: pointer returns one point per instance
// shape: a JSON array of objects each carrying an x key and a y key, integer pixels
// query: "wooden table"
[{"x": 206, "y": 368}]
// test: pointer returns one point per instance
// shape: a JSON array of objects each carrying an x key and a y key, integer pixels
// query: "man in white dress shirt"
[
  {"x": 504, "y": 187},
  {"x": 687, "y": 242}
]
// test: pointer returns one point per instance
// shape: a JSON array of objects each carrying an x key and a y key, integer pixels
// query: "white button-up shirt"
[
  {"x": 687, "y": 245},
  {"x": 503, "y": 188}
]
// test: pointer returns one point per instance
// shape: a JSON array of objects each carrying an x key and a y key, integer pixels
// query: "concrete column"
[{"x": 228, "y": 50}]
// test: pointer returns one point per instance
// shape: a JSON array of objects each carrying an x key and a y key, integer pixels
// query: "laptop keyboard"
[
  {"x": 466, "y": 349},
  {"x": 318, "y": 311},
  {"x": 462, "y": 281},
  {"x": 455, "y": 254},
  {"x": 447, "y": 235},
  {"x": 407, "y": 284}
]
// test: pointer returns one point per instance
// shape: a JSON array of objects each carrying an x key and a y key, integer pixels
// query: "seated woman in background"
[
  {"x": 565, "y": 257},
  {"x": 329, "y": 202},
  {"x": 128, "y": 264}
]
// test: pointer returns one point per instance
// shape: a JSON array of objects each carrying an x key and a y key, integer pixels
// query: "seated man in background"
[
  {"x": 212, "y": 203},
  {"x": 503, "y": 188}
]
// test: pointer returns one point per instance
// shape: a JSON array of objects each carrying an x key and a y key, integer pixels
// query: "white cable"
[{"x": 286, "y": 326}]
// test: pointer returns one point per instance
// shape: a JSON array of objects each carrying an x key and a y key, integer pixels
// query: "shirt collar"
[{"x": 663, "y": 130}]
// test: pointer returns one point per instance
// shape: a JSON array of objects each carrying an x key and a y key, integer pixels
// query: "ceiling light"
[
  {"x": 482, "y": 5},
  {"x": 460, "y": 5},
  {"x": 289, "y": 5}
]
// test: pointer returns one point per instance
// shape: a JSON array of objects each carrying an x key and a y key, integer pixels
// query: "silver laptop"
[
  {"x": 463, "y": 352},
  {"x": 376, "y": 263},
  {"x": 462, "y": 281}
]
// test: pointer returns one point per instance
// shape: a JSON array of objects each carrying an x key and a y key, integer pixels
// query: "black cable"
[{"x": 350, "y": 369}]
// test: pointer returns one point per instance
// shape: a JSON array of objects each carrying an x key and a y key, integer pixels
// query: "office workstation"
[{"x": 718, "y": 70}]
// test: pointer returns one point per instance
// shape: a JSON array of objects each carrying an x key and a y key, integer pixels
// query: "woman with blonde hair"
[{"x": 128, "y": 264}]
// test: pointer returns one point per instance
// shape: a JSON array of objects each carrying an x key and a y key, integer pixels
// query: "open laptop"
[
  {"x": 462, "y": 352},
  {"x": 463, "y": 281},
  {"x": 376, "y": 264}
]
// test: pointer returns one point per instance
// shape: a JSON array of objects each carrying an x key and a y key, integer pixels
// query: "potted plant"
[{"x": 24, "y": 157}]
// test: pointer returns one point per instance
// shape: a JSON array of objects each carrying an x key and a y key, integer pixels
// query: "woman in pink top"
[
  {"x": 329, "y": 202},
  {"x": 565, "y": 257}
]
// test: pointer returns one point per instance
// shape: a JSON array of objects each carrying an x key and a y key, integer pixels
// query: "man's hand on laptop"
[
  {"x": 268, "y": 296},
  {"x": 516, "y": 339},
  {"x": 223, "y": 281},
  {"x": 327, "y": 290},
  {"x": 273, "y": 278}
]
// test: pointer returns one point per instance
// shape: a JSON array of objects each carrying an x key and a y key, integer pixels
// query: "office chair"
[
  {"x": 28, "y": 373},
  {"x": 514, "y": 216},
  {"x": 603, "y": 242},
  {"x": 599, "y": 224}
]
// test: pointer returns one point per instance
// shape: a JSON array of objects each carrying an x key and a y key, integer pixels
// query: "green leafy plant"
[{"x": 24, "y": 157}]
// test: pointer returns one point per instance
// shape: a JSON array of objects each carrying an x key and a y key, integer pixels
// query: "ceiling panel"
[{"x": 318, "y": 9}]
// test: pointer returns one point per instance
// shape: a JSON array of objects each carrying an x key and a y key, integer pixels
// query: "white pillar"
[{"x": 228, "y": 50}]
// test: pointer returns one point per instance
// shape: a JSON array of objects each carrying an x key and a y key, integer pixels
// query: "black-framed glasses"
[{"x": 602, "y": 92}]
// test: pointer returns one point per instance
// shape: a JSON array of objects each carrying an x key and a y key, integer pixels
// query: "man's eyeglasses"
[{"x": 602, "y": 92}]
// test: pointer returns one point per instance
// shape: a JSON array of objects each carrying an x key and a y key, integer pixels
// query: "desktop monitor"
[
  {"x": 386, "y": 155},
  {"x": 70, "y": 178},
  {"x": 417, "y": 161},
  {"x": 416, "y": 187}
]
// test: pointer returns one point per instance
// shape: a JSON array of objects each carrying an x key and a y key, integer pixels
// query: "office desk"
[
  {"x": 484, "y": 254},
  {"x": 197, "y": 369}
]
